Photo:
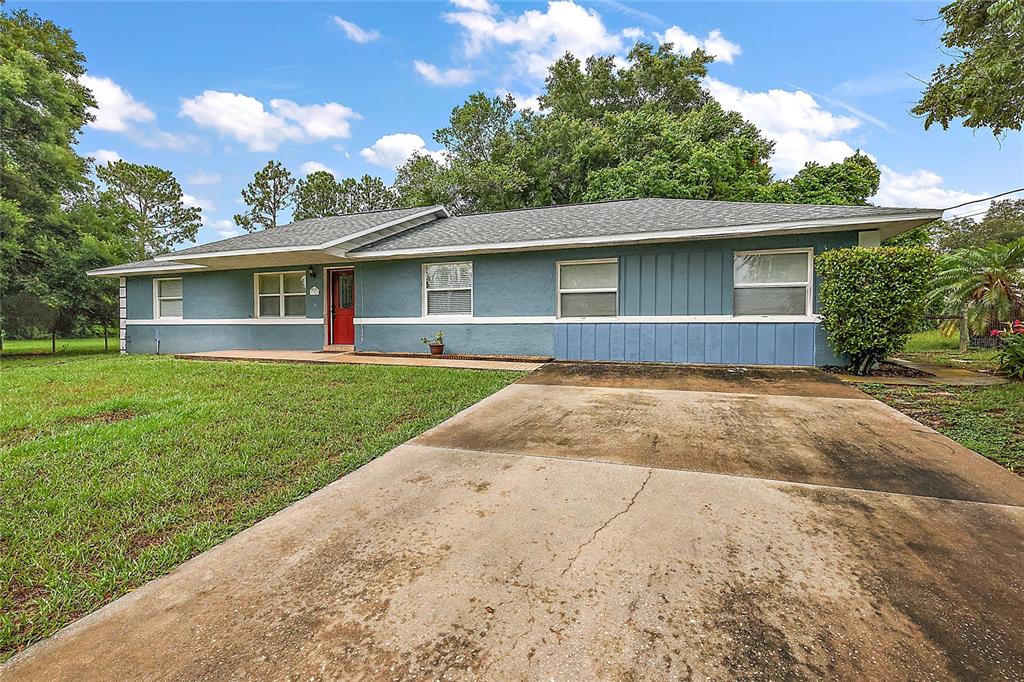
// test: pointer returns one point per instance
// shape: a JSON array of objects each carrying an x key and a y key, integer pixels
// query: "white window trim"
[
  {"x": 423, "y": 289},
  {"x": 603, "y": 290},
  {"x": 280, "y": 294},
  {"x": 157, "y": 298},
  {"x": 809, "y": 284}
]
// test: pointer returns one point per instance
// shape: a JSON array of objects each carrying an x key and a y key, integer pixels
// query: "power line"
[{"x": 994, "y": 196}]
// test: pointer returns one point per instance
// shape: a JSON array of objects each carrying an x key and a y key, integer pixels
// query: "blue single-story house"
[{"x": 666, "y": 280}]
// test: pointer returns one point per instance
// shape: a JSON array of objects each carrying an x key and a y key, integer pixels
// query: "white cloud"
[
  {"x": 714, "y": 43},
  {"x": 476, "y": 6},
  {"x": 355, "y": 32},
  {"x": 438, "y": 77},
  {"x": 921, "y": 188},
  {"x": 391, "y": 151},
  {"x": 314, "y": 166},
  {"x": 224, "y": 228},
  {"x": 801, "y": 129},
  {"x": 537, "y": 38},
  {"x": 105, "y": 156},
  {"x": 245, "y": 119},
  {"x": 116, "y": 110},
  {"x": 523, "y": 101},
  {"x": 196, "y": 202},
  {"x": 203, "y": 178},
  {"x": 634, "y": 33}
]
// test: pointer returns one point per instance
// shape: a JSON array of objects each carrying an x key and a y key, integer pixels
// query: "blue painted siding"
[
  {"x": 475, "y": 339},
  {"x": 693, "y": 278},
  {"x": 712, "y": 343},
  {"x": 184, "y": 338}
]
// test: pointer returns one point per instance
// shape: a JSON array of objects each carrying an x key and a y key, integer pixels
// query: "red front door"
[{"x": 343, "y": 307}]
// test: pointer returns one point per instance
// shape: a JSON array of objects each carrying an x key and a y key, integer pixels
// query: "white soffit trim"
[
  {"x": 226, "y": 321},
  {"x": 831, "y": 225},
  {"x": 308, "y": 247},
  {"x": 155, "y": 270},
  {"x": 625, "y": 319}
]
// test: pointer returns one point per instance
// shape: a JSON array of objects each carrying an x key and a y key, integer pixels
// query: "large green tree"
[
  {"x": 320, "y": 195},
  {"x": 604, "y": 131},
  {"x": 850, "y": 181},
  {"x": 984, "y": 84},
  {"x": 43, "y": 107},
  {"x": 152, "y": 203},
  {"x": 1002, "y": 224},
  {"x": 271, "y": 191}
]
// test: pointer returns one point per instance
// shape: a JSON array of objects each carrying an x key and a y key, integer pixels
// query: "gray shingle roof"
[
  {"x": 609, "y": 218},
  {"x": 312, "y": 232}
]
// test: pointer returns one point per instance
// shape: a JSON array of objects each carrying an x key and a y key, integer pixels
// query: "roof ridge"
[{"x": 700, "y": 201}]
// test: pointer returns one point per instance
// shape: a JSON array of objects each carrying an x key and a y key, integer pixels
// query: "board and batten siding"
[{"x": 514, "y": 308}]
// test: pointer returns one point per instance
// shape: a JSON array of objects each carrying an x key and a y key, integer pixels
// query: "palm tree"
[{"x": 985, "y": 283}]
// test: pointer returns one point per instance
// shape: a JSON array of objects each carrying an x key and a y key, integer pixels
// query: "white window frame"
[
  {"x": 808, "y": 285},
  {"x": 157, "y": 298},
  {"x": 423, "y": 289},
  {"x": 603, "y": 290},
  {"x": 256, "y": 295}
]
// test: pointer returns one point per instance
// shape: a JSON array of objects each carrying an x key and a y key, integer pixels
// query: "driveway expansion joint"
[{"x": 779, "y": 481}]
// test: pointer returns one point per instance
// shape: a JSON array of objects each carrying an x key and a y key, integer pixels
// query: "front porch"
[{"x": 325, "y": 357}]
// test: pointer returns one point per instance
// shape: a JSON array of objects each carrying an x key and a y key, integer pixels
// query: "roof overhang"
[
  {"x": 331, "y": 251},
  {"x": 118, "y": 271},
  {"x": 887, "y": 226}
]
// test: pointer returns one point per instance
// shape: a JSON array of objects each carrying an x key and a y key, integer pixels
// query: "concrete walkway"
[
  {"x": 607, "y": 522},
  {"x": 939, "y": 375},
  {"x": 318, "y": 357}
]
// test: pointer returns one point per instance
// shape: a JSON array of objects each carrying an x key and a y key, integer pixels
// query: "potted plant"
[{"x": 436, "y": 343}]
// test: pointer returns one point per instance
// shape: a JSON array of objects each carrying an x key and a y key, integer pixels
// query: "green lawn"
[
  {"x": 987, "y": 419},
  {"x": 113, "y": 470},
  {"x": 64, "y": 346}
]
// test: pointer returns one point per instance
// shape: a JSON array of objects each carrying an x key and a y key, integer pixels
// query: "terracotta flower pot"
[{"x": 436, "y": 348}]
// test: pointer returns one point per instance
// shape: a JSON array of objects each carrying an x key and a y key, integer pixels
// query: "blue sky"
[{"x": 212, "y": 91}]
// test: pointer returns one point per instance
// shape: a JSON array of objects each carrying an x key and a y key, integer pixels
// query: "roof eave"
[
  {"x": 336, "y": 246},
  {"x": 896, "y": 223},
  {"x": 116, "y": 271}
]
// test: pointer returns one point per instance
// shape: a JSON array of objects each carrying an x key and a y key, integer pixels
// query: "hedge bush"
[{"x": 872, "y": 299}]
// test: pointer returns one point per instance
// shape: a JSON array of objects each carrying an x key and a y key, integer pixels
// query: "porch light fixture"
[{"x": 312, "y": 272}]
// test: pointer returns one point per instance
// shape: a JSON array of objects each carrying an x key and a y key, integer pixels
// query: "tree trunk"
[
  {"x": 106, "y": 347},
  {"x": 53, "y": 342},
  {"x": 965, "y": 335}
]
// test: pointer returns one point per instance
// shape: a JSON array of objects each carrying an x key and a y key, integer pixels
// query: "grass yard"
[
  {"x": 64, "y": 346},
  {"x": 987, "y": 419},
  {"x": 114, "y": 470}
]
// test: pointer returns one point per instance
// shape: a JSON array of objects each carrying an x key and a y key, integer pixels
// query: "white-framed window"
[
  {"x": 588, "y": 288},
  {"x": 448, "y": 288},
  {"x": 167, "y": 298},
  {"x": 280, "y": 294},
  {"x": 772, "y": 282}
]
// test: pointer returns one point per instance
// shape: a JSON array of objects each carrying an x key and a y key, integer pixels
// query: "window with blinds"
[
  {"x": 167, "y": 298},
  {"x": 588, "y": 288},
  {"x": 769, "y": 283},
  {"x": 448, "y": 289}
]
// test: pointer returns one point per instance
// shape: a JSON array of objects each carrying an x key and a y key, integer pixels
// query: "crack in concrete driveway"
[{"x": 790, "y": 528}]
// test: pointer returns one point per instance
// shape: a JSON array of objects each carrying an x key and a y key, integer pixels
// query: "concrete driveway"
[{"x": 607, "y": 522}]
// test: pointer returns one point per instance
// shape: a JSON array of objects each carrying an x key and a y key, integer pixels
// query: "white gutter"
[{"x": 151, "y": 270}]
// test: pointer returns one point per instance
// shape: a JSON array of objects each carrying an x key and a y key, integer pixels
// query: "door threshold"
[{"x": 339, "y": 348}]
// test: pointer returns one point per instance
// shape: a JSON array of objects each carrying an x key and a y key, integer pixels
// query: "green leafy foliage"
[
  {"x": 1011, "y": 349},
  {"x": 872, "y": 299},
  {"x": 604, "y": 131},
  {"x": 985, "y": 85},
  {"x": 320, "y": 195},
  {"x": 1002, "y": 223},
  {"x": 270, "y": 192},
  {"x": 151, "y": 204},
  {"x": 986, "y": 283},
  {"x": 850, "y": 181}
]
